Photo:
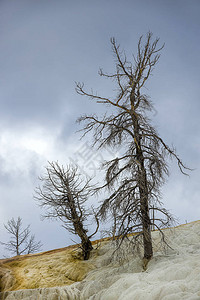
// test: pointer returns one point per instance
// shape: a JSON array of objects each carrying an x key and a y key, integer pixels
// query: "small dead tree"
[
  {"x": 135, "y": 177},
  {"x": 21, "y": 241},
  {"x": 63, "y": 195}
]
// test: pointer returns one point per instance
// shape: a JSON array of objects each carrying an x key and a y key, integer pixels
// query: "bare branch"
[
  {"x": 135, "y": 177},
  {"x": 20, "y": 242},
  {"x": 63, "y": 195}
]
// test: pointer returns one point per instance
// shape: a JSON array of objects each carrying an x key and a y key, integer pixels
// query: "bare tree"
[
  {"x": 21, "y": 242},
  {"x": 64, "y": 195},
  {"x": 135, "y": 177}
]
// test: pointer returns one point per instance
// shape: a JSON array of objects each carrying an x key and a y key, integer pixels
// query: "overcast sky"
[{"x": 45, "y": 46}]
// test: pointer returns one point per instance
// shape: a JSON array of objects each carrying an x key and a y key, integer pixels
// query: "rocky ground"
[{"x": 62, "y": 274}]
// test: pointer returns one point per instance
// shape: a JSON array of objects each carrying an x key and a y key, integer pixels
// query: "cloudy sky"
[{"x": 47, "y": 45}]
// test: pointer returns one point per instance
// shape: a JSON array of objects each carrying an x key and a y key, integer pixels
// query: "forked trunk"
[{"x": 86, "y": 244}]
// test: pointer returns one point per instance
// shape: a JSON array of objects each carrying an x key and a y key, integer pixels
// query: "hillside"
[{"x": 61, "y": 274}]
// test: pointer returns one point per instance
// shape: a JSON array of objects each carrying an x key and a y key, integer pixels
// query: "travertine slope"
[{"x": 61, "y": 274}]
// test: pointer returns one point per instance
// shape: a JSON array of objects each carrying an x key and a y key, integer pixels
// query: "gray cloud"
[{"x": 45, "y": 46}]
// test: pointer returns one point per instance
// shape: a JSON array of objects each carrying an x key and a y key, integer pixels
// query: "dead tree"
[
  {"x": 64, "y": 195},
  {"x": 135, "y": 177},
  {"x": 20, "y": 242}
]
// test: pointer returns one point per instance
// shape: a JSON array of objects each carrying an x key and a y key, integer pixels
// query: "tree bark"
[
  {"x": 143, "y": 192},
  {"x": 86, "y": 244},
  {"x": 146, "y": 224},
  {"x": 86, "y": 247}
]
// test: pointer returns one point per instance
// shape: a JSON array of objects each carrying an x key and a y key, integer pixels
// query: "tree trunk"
[
  {"x": 146, "y": 224},
  {"x": 86, "y": 247},
  {"x": 143, "y": 192},
  {"x": 86, "y": 244}
]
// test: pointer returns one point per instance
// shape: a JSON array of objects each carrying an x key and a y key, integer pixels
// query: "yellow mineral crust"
[{"x": 48, "y": 269}]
